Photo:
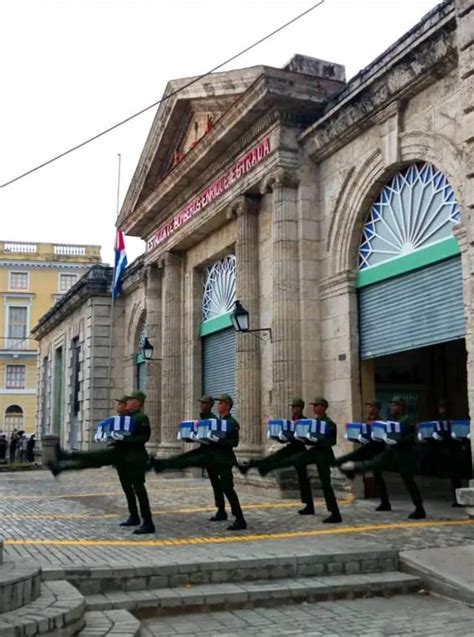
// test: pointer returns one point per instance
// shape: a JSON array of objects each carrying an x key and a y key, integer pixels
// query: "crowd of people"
[
  {"x": 127, "y": 453},
  {"x": 19, "y": 448}
]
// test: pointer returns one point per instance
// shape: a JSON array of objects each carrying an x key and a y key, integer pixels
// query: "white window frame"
[
  {"x": 7, "y": 336},
  {"x": 6, "y": 377},
  {"x": 61, "y": 274},
  {"x": 5, "y": 416},
  {"x": 11, "y": 288}
]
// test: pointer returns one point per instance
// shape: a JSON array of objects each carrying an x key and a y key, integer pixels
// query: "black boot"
[
  {"x": 219, "y": 516},
  {"x": 456, "y": 504},
  {"x": 384, "y": 506},
  {"x": 334, "y": 518},
  {"x": 54, "y": 467},
  {"x": 307, "y": 510},
  {"x": 157, "y": 465},
  {"x": 239, "y": 524},
  {"x": 146, "y": 527},
  {"x": 418, "y": 514},
  {"x": 133, "y": 520},
  {"x": 245, "y": 467}
]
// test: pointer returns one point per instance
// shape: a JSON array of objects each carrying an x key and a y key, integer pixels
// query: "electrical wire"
[{"x": 163, "y": 99}]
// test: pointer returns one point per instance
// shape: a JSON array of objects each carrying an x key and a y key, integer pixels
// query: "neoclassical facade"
[{"x": 337, "y": 212}]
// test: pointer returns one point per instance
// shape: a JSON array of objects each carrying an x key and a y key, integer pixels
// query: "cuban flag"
[{"x": 120, "y": 264}]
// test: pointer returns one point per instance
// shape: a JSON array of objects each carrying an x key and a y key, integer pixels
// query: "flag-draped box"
[
  {"x": 280, "y": 429},
  {"x": 312, "y": 430},
  {"x": 460, "y": 429},
  {"x": 425, "y": 430},
  {"x": 210, "y": 429},
  {"x": 187, "y": 430},
  {"x": 383, "y": 430},
  {"x": 358, "y": 431},
  {"x": 114, "y": 428}
]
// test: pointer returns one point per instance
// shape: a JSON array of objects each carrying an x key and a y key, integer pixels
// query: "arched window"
[
  {"x": 13, "y": 419},
  {"x": 415, "y": 210},
  {"x": 219, "y": 288}
]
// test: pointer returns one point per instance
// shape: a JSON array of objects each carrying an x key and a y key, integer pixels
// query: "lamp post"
[{"x": 241, "y": 321}]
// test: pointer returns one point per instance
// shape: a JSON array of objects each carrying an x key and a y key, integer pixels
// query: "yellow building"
[{"x": 33, "y": 276}]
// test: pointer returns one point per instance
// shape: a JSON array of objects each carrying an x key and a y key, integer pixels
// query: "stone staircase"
[
  {"x": 198, "y": 586},
  {"x": 30, "y": 606}
]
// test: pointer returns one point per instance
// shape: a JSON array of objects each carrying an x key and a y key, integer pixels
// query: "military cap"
[
  {"x": 398, "y": 400},
  {"x": 207, "y": 398},
  {"x": 374, "y": 403},
  {"x": 319, "y": 400},
  {"x": 297, "y": 402},
  {"x": 123, "y": 399},
  {"x": 139, "y": 395},
  {"x": 226, "y": 398}
]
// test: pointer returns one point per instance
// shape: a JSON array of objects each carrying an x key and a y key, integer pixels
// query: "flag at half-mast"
[{"x": 120, "y": 264}]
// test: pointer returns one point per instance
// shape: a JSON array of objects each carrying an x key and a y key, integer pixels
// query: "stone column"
[
  {"x": 286, "y": 332},
  {"x": 153, "y": 303},
  {"x": 248, "y": 345},
  {"x": 171, "y": 376}
]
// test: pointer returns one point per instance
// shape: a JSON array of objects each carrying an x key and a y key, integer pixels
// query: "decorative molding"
[
  {"x": 244, "y": 204},
  {"x": 280, "y": 177},
  {"x": 44, "y": 265}
]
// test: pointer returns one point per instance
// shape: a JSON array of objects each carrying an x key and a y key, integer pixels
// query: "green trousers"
[
  {"x": 285, "y": 457},
  {"x": 364, "y": 453}
]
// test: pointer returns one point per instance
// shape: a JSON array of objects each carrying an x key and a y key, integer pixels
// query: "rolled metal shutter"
[
  {"x": 413, "y": 310},
  {"x": 218, "y": 363}
]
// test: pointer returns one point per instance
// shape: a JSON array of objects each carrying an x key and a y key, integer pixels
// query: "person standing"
[
  {"x": 13, "y": 446},
  {"x": 206, "y": 404},
  {"x": 399, "y": 456},
  {"x": 285, "y": 457},
  {"x": 30, "y": 449},
  {"x": 220, "y": 457},
  {"x": 451, "y": 455},
  {"x": 367, "y": 451},
  {"x": 3, "y": 447}
]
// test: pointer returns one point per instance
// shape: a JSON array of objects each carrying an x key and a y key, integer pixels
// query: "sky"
[{"x": 72, "y": 68}]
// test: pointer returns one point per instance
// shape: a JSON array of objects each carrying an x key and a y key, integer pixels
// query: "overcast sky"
[{"x": 72, "y": 68}]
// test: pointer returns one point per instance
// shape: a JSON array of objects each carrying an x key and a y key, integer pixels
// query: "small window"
[
  {"x": 17, "y": 328},
  {"x": 66, "y": 281},
  {"x": 16, "y": 377},
  {"x": 13, "y": 419},
  {"x": 19, "y": 280}
]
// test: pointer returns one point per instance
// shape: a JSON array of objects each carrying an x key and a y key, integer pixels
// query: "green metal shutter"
[
  {"x": 218, "y": 363},
  {"x": 414, "y": 310}
]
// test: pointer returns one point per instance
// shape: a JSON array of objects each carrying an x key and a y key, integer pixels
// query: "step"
[
  {"x": 93, "y": 580},
  {"x": 59, "y": 610},
  {"x": 19, "y": 584},
  {"x": 206, "y": 597},
  {"x": 113, "y": 623}
]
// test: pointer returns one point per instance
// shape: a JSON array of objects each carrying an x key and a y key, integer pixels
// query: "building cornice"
[{"x": 44, "y": 265}]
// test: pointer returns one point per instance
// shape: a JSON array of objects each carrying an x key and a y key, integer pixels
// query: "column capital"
[
  {"x": 280, "y": 177},
  {"x": 244, "y": 204},
  {"x": 169, "y": 259}
]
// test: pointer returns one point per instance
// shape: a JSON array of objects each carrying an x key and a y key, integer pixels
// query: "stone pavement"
[
  {"x": 398, "y": 616},
  {"x": 73, "y": 521}
]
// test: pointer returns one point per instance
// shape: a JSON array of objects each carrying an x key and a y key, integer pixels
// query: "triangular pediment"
[{"x": 181, "y": 122}]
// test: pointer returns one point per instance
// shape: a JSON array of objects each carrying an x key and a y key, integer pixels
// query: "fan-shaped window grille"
[
  {"x": 219, "y": 289},
  {"x": 416, "y": 209}
]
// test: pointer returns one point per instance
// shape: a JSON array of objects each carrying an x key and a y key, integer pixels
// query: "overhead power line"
[{"x": 163, "y": 99}]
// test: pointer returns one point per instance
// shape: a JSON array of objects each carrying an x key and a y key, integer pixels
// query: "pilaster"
[{"x": 153, "y": 303}]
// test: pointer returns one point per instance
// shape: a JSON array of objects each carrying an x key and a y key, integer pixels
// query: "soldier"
[
  {"x": 206, "y": 405},
  {"x": 128, "y": 453},
  {"x": 285, "y": 457},
  {"x": 399, "y": 456},
  {"x": 368, "y": 451},
  {"x": 451, "y": 452},
  {"x": 220, "y": 457}
]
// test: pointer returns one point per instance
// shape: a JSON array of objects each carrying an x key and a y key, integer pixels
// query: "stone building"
[{"x": 337, "y": 212}]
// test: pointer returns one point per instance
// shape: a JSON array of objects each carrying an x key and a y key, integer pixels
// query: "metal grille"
[
  {"x": 218, "y": 363},
  {"x": 219, "y": 288},
  {"x": 414, "y": 310}
]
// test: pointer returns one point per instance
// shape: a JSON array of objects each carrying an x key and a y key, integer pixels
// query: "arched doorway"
[
  {"x": 13, "y": 420},
  {"x": 410, "y": 295},
  {"x": 217, "y": 333}
]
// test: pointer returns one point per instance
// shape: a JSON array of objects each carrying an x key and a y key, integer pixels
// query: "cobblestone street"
[{"x": 377, "y": 617}]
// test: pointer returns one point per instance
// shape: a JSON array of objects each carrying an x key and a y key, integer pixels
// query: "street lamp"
[
  {"x": 147, "y": 350},
  {"x": 241, "y": 321}
]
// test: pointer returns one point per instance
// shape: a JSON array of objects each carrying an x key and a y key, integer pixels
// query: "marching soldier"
[
  {"x": 206, "y": 405},
  {"x": 399, "y": 456},
  {"x": 220, "y": 458},
  {"x": 288, "y": 456},
  {"x": 127, "y": 454},
  {"x": 368, "y": 451},
  {"x": 451, "y": 451}
]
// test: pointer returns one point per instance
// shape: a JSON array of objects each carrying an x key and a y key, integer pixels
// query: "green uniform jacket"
[
  {"x": 323, "y": 447},
  {"x": 131, "y": 450},
  {"x": 409, "y": 437},
  {"x": 223, "y": 451}
]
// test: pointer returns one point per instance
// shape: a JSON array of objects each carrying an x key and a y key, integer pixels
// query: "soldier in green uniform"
[
  {"x": 400, "y": 456},
  {"x": 219, "y": 457},
  {"x": 206, "y": 405},
  {"x": 450, "y": 454},
  {"x": 367, "y": 451},
  {"x": 128, "y": 455},
  {"x": 288, "y": 456}
]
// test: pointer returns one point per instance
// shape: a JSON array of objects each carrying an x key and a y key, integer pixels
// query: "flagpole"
[{"x": 112, "y": 300}]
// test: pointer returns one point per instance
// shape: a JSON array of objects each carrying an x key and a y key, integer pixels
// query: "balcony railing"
[
  {"x": 68, "y": 250},
  {"x": 8, "y": 344},
  {"x": 29, "y": 248}
]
